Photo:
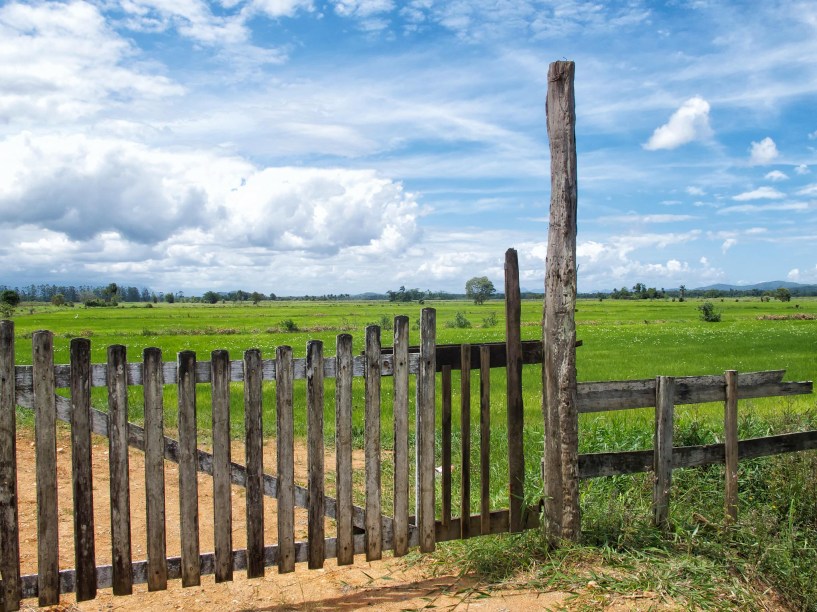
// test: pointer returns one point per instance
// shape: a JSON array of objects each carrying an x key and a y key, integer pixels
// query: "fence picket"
[
  {"x": 516, "y": 409},
  {"x": 188, "y": 483},
  {"x": 222, "y": 494},
  {"x": 155, "y": 470},
  {"x": 343, "y": 449},
  {"x": 374, "y": 525},
  {"x": 81, "y": 476},
  {"x": 485, "y": 439},
  {"x": 426, "y": 401},
  {"x": 285, "y": 459},
  {"x": 465, "y": 433},
  {"x": 731, "y": 445},
  {"x": 662, "y": 463},
  {"x": 9, "y": 526},
  {"x": 445, "y": 389},
  {"x": 314, "y": 457},
  {"x": 254, "y": 455},
  {"x": 45, "y": 417},
  {"x": 400, "y": 414}
]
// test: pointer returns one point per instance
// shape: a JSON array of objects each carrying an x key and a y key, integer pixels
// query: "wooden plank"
[
  {"x": 155, "y": 470},
  {"x": 285, "y": 459},
  {"x": 9, "y": 526},
  {"x": 222, "y": 492},
  {"x": 516, "y": 408},
  {"x": 445, "y": 389},
  {"x": 254, "y": 460},
  {"x": 465, "y": 433},
  {"x": 731, "y": 446},
  {"x": 343, "y": 448},
  {"x": 426, "y": 404},
  {"x": 662, "y": 462},
  {"x": 485, "y": 441},
  {"x": 188, "y": 483},
  {"x": 401, "y": 446},
  {"x": 450, "y": 354},
  {"x": 81, "y": 476},
  {"x": 45, "y": 434},
  {"x": 374, "y": 529},
  {"x": 119, "y": 470},
  {"x": 499, "y": 524},
  {"x": 314, "y": 457}
]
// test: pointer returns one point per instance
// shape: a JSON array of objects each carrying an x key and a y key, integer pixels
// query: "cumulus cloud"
[
  {"x": 776, "y": 176},
  {"x": 761, "y": 193},
  {"x": 808, "y": 190},
  {"x": 794, "y": 275},
  {"x": 689, "y": 123},
  {"x": 695, "y": 191},
  {"x": 802, "y": 169},
  {"x": 763, "y": 152},
  {"x": 728, "y": 244}
]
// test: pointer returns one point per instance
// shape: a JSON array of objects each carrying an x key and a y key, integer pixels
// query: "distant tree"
[
  {"x": 256, "y": 297},
  {"x": 58, "y": 299},
  {"x": 10, "y": 297},
  {"x": 479, "y": 289},
  {"x": 169, "y": 297},
  {"x": 110, "y": 292},
  {"x": 273, "y": 297},
  {"x": 682, "y": 291},
  {"x": 783, "y": 294},
  {"x": 210, "y": 297}
]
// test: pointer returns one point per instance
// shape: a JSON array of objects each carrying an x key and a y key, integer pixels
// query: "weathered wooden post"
[
  {"x": 559, "y": 400},
  {"x": 516, "y": 407}
]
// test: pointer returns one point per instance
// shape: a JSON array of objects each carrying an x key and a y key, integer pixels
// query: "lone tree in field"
[{"x": 479, "y": 289}]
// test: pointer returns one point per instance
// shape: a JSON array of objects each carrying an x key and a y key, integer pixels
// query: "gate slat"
[
  {"x": 516, "y": 409},
  {"x": 188, "y": 484},
  {"x": 45, "y": 417},
  {"x": 465, "y": 433},
  {"x": 81, "y": 476},
  {"x": 426, "y": 388},
  {"x": 485, "y": 439},
  {"x": 119, "y": 470},
  {"x": 343, "y": 448},
  {"x": 446, "y": 441},
  {"x": 285, "y": 452},
  {"x": 662, "y": 453},
  {"x": 222, "y": 493},
  {"x": 314, "y": 380},
  {"x": 400, "y": 413},
  {"x": 254, "y": 454},
  {"x": 9, "y": 526},
  {"x": 155, "y": 470},
  {"x": 374, "y": 526}
]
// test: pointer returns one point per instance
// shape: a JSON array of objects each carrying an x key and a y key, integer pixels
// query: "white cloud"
[
  {"x": 728, "y": 244},
  {"x": 695, "y": 191},
  {"x": 280, "y": 8},
  {"x": 802, "y": 169},
  {"x": 636, "y": 218},
  {"x": 776, "y": 176},
  {"x": 759, "y": 208},
  {"x": 689, "y": 123},
  {"x": 763, "y": 152},
  {"x": 793, "y": 275},
  {"x": 808, "y": 190},
  {"x": 704, "y": 261},
  {"x": 761, "y": 193}
]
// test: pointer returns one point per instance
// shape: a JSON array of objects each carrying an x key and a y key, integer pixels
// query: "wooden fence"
[{"x": 358, "y": 529}]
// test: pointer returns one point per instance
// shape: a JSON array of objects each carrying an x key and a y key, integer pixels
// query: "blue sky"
[{"x": 311, "y": 146}]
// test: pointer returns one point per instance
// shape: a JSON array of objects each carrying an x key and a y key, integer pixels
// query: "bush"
[
  {"x": 288, "y": 325},
  {"x": 460, "y": 321},
  {"x": 490, "y": 321},
  {"x": 708, "y": 313}
]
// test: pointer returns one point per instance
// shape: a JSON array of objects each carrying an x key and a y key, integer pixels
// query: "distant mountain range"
[{"x": 767, "y": 286}]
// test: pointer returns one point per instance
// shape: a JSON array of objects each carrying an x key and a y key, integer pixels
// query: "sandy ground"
[{"x": 390, "y": 584}]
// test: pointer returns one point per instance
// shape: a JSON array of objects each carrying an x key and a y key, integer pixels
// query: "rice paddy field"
[{"x": 698, "y": 564}]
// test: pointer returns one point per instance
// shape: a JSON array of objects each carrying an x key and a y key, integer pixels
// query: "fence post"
[
  {"x": 343, "y": 448},
  {"x": 485, "y": 440},
  {"x": 731, "y": 445},
  {"x": 662, "y": 454},
  {"x": 426, "y": 403},
  {"x": 9, "y": 526},
  {"x": 254, "y": 460},
  {"x": 401, "y": 448},
  {"x": 314, "y": 458},
  {"x": 559, "y": 397},
  {"x": 371, "y": 443},
  {"x": 188, "y": 464},
  {"x": 465, "y": 434},
  {"x": 154, "y": 382},
  {"x": 285, "y": 459},
  {"x": 222, "y": 455},
  {"x": 516, "y": 409}
]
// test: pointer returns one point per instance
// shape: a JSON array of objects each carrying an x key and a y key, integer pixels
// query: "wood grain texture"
[
  {"x": 485, "y": 441},
  {"x": 188, "y": 483},
  {"x": 285, "y": 460},
  {"x": 314, "y": 457},
  {"x": 426, "y": 407},
  {"x": 343, "y": 448},
  {"x": 445, "y": 390},
  {"x": 730, "y": 427},
  {"x": 401, "y": 445},
  {"x": 81, "y": 476},
  {"x": 516, "y": 407},
  {"x": 662, "y": 465},
  {"x": 222, "y": 456},
  {"x": 155, "y": 511},
  {"x": 465, "y": 433},
  {"x": 371, "y": 446},
  {"x": 560, "y": 403},
  {"x": 45, "y": 434},
  {"x": 254, "y": 461},
  {"x": 9, "y": 526}
]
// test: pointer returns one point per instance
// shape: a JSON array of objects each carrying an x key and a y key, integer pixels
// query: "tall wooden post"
[{"x": 559, "y": 400}]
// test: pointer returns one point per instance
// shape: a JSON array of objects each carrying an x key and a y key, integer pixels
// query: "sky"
[{"x": 342, "y": 146}]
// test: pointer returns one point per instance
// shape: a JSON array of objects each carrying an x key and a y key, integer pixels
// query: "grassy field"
[{"x": 774, "y": 541}]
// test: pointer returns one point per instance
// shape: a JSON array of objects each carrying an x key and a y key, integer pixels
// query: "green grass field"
[{"x": 773, "y": 543}]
